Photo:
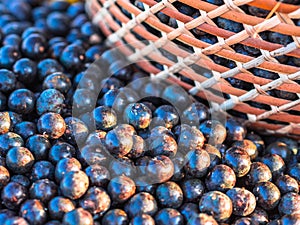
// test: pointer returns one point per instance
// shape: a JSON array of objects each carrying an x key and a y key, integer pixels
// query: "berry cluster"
[{"x": 138, "y": 152}]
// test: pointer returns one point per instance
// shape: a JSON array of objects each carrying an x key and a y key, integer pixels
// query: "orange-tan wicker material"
[{"x": 107, "y": 14}]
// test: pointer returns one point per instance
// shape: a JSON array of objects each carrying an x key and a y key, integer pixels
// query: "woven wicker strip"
[{"x": 121, "y": 21}]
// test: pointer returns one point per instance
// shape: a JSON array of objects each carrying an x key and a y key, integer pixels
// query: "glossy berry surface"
[
  {"x": 5, "y": 176},
  {"x": 168, "y": 216},
  {"x": 50, "y": 100},
  {"x": 221, "y": 178},
  {"x": 281, "y": 149},
  {"x": 235, "y": 130},
  {"x": 78, "y": 216},
  {"x": 189, "y": 138},
  {"x": 217, "y": 204},
  {"x": 10, "y": 140},
  {"x": 39, "y": 146},
  {"x": 143, "y": 219},
  {"x": 239, "y": 160},
  {"x": 61, "y": 150},
  {"x": 5, "y": 122},
  {"x": 138, "y": 115},
  {"x": 166, "y": 115},
  {"x": 259, "y": 172},
  {"x": 47, "y": 67},
  {"x": 289, "y": 204},
  {"x": 51, "y": 124},
  {"x": 195, "y": 114},
  {"x": 72, "y": 57},
  {"x": 64, "y": 166},
  {"x": 16, "y": 220},
  {"x": 162, "y": 145},
  {"x": 96, "y": 201},
  {"x": 287, "y": 184},
  {"x": 118, "y": 142},
  {"x": 7, "y": 80},
  {"x": 192, "y": 190},
  {"x": 93, "y": 154},
  {"x": 25, "y": 129},
  {"x": 33, "y": 211},
  {"x": 275, "y": 164},
  {"x": 58, "y": 81},
  {"x": 142, "y": 202},
  {"x": 243, "y": 201},
  {"x": 213, "y": 131},
  {"x": 160, "y": 169},
  {"x": 169, "y": 194},
  {"x": 21, "y": 101},
  {"x": 105, "y": 118},
  {"x": 34, "y": 46},
  {"x": 21, "y": 179},
  {"x": 19, "y": 160},
  {"x": 58, "y": 23},
  {"x": 115, "y": 216},
  {"x": 121, "y": 188},
  {"x": 42, "y": 170},
  {"x": 25, "y": 70},
  {"x": 58, "y": 206},
  {"x": 98, "y": 175},
  {"x": 197, "y": 164},
  {"x": 249, "y": 146},
  {"x": 74, "y": 184},
  {"x": 268, "y": 195},
  {"x": 189, "y": 210},
  {"x": 8, "y": 56},
  {"x": 13, "y": 194},
  {"x": 76, "y": 131}
]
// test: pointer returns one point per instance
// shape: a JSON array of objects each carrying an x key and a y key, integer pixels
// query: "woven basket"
[{"x": 121, "y": 21}]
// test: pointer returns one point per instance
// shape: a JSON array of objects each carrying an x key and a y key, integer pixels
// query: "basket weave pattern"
[{"x": 107, "y": 14}]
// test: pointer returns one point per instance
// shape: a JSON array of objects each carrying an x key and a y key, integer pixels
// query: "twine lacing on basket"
[{"x": 108, "y": 14}]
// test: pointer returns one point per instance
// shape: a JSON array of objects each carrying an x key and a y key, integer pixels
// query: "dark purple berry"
[
  {"x": 21, "y": 101},
  {"x": 217, "y": 204},
  {"x": 169, "y": 194},
  {"x": 115, "y": 217},
  {"x": 197, "y": 163},
  {"x": 74, "y": 184},
  {"x": 121, "y": 189},
  {"x": 287, "y": 184},
  {"x": 221, "y": 178},
  {"x": 243, "y": 201},
  {"x": 58, "y": 206},
  {"x": 239, "y": 160},
  {"x": 268, "y": 195},
  {"x": 50, "y": 100},
  {"x": 96, "y": 201},
  {"x": 19, "y": 160},
  {"x": 78, "y": 216},
  {"x": 213, "y": 131},
  {"x": 140, "y": 203},
  {"x": 169, "y": 216},
  {"x": 43, "y": 190},
  {"x": 289, "y": 204},
  {"x": 34, "y": 46},
  {"x": 52, "y": 125},
  {"x": 13, "y": 194}
]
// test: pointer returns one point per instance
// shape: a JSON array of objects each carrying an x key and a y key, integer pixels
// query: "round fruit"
[
  {"x": 243, "y": 201},
  {"x": 51, "y": 124},
  {"x": 74, "y": 184},
  {"x": 217, "y": 204}
]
